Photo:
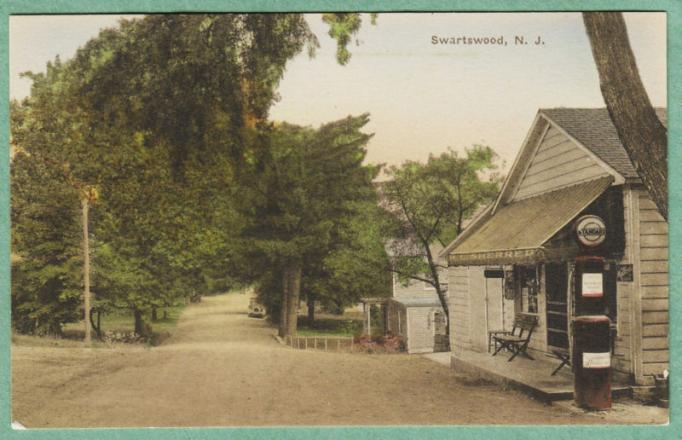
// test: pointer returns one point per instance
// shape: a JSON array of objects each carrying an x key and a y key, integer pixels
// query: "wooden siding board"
[
  {"x": 653, "y": 228},
  {"x": 654, "y": 292},
  {"x": 645, "y": 203},
  {"x": 654, "y": 279},
  {"x": 561, "y": 153},
  {"x": 654, "y": 267},
  {"x": 654, "y": 254},
  {"x": 654, "y": 368},
  {"x": 655, "y": 356},
  {"x": 557, "y": 162},
  {"x": 657, "y": 342},
  {"x": 650, "y": 317},
  {"x": 589, "y": 172},
  {"x": 655, "y": 304},
  {"x": 650, "y": 215},
  {"x": 655, "y": 330}
]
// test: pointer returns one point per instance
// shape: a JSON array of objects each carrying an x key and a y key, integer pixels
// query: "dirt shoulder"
[{"x": 221, "y": 368}]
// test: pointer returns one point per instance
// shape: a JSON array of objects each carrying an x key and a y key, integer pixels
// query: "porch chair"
[{"x": 518, "y": 339}]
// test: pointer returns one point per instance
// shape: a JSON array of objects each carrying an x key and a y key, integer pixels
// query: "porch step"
[{"x": 530, "y": 377}]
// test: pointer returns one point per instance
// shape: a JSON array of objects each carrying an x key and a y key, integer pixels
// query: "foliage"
[
  {"x": 46, "y": 279},
  {"x": 152, "y": 115},
  {"x": 429, "y": 203},
  {"x": 342, "y": 28},
  {"x": 306, "y": 204}
]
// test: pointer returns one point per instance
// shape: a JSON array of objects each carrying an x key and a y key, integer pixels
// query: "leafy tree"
[
  {"x": 307, "y": 181},
  {"x": 50, "y": 180},
  {"x": 46, "y": 280},
  {"x": 156, "y": 115},
  {"x": 355, "y": 267},
  {"x": 190, "y": 82},
  {"x": 429, "y": 202}
]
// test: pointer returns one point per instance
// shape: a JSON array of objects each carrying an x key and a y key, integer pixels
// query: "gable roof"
[
  {"x": 418, "y": 301},
  {"x": 593, "y": 128}
]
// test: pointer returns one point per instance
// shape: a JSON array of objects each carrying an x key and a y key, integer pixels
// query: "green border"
[{"x": 674, "y": 10}]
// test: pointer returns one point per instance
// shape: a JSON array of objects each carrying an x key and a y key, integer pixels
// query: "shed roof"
[
  {"x": 593, "y": 128},
  {"x": 517, "y": 232},
  {"x": 418, "y": 301}
]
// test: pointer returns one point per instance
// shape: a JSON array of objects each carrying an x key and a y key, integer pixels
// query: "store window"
[{"x": 528, "y": 281}]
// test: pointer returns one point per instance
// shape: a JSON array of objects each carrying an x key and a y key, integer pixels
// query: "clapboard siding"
[
  {"x": 459, "y": 308},
  {"x": 558, "y": 162},
  {"x": 649, "y": 317},
  {"x": 654, "y": 241},
  {"x": 655, "y": 356},
  {"x": 654, "y": 305},
  {"x": 654, "y": 292},
  {"x": 649, "y": 369},
  {"x": 655, "y": 342},
  {"x": 654, "y": 266},
  {"x": 654, "y": 254},
  {"x": 654, "y": 279},
  {"x": 655, "y": 330},
  {"x": 653, "y": 282}
]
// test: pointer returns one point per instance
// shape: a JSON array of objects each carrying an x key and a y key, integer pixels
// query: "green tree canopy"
[{"x": 429, "y": 203}]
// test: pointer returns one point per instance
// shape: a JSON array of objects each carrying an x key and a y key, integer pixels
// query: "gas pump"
[{"x": 591, "y": 326}]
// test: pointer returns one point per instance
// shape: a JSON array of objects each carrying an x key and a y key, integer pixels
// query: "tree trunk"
[
  {"x": 141, "y": 327},
  {"x": 310, "y": 301},
  {"x": 86, "y": 272},
  {"x": 639, "y": 129},
  {"x": 284, "y": 309},
  {"x": 294, "y": 297},
  {"x": 95, "y": 322},
  {"x": 155, "y": 316},
  {"x": 439, "y": 290}
]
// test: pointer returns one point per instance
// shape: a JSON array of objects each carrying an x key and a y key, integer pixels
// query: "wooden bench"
[{"x": 518, "y": 338}]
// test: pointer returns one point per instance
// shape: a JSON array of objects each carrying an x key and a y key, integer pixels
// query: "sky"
[{"x": 423, "y": 98}]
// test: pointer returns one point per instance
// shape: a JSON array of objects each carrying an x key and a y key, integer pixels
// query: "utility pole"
[{"x": 88, "y": 195}]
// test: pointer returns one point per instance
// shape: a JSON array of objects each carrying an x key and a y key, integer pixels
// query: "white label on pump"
[
  {"x": 592, "y": 284},
  {"x": 597, "y": 360}
]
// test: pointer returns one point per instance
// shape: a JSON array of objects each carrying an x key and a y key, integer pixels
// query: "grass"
[
  {"x": 329, "y": 326},
  {"x": 51, "y": 341},
  {"x": 123, "y": 321}
]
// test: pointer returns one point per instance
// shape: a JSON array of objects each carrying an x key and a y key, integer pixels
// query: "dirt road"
[{"x": 222, "y": 368}]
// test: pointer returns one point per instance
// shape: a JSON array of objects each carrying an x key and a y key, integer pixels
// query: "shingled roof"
[{"x": 592, "y": 127}]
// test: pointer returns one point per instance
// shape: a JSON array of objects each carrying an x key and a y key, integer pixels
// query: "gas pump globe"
[{"x": 591, "y": 327}]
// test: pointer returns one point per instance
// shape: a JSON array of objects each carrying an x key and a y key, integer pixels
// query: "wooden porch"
[{"x": 532, "y": 377}]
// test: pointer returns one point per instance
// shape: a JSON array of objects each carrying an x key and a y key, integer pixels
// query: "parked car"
[{"x": 256, "y": 310}]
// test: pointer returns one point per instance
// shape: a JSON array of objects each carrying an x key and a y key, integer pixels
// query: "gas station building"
[{"x": 570, "y": 165}]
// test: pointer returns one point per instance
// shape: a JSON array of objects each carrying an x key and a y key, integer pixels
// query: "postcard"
[{"x": 338, "y": 219}]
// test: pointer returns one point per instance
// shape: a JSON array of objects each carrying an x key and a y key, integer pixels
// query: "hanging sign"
[
  {"x": 624, "y": 273},
  {"x": 592, "y": 284},
  {"x": 493, "y": 272},
  {"x": 597, "y": 360},
  {"x": 590, "y": 230}
]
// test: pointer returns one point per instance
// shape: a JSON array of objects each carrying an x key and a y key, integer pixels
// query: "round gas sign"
[{"x": 590, "y": 230}]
